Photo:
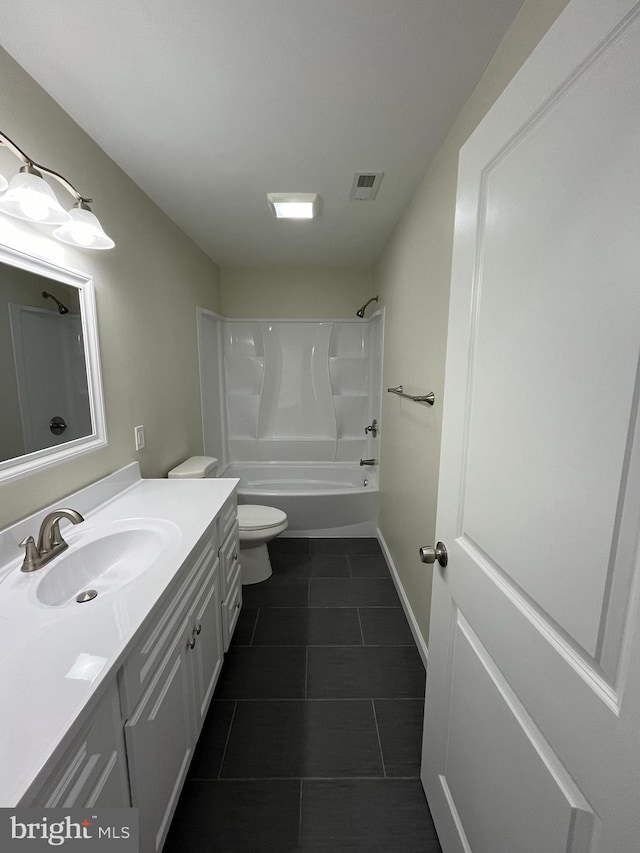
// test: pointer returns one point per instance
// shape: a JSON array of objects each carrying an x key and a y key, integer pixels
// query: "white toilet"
[{"x": 257, "y": 524}]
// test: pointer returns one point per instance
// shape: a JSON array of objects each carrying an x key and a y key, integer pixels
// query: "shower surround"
[
  {"x": 300, "y": 390},
  {"x": 280, "y": 392}
]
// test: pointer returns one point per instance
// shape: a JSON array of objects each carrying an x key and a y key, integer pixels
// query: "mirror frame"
[{"x": 30, "y": 463}]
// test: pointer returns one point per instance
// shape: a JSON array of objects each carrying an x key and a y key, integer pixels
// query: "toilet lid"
[{"x": 254, "y": 517}]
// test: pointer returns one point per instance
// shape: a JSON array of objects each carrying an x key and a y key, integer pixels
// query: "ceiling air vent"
[{"x": 365, "y": 186}]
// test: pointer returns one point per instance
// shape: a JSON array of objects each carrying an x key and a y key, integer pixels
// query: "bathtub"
[{"x": 332, "y": 499}]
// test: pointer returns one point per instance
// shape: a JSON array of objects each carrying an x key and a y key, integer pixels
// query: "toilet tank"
[{"x": 195, "y": 468}]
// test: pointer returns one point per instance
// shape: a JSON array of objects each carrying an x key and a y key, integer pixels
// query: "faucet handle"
[
  {"x": 30, "y": 555},
  {"x": 372, "y": 428},
  {"x": 56, "y": 536}
]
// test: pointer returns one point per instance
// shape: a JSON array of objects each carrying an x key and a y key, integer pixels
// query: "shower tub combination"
[
  {"x": 289, "y": 405},
  {"x": 337, "y": 499}
]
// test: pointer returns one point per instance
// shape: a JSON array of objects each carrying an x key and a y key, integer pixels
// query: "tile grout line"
[
  {"x": 326, "y": 606},
  {"x": 226, "y": 743},
  {"x": 326, "y": 699},
  {"x": 300, "y": 816},
  {"x": 326, "y": 645},
  {"x": 375, "y": 719},
  {"x": 360, "y": 624},
  {"x": 307, "y": 779},
  {"x": 255, "y": 627},
  {"x": 306, "y": 672}
]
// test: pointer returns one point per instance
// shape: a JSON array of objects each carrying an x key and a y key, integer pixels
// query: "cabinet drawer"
[
  {"x": 92, "y": 771},
  {"x": 227, "y": 518},
  {"x": 143, "y": 661},
  {"x": 229, "y": 558},
  {"x": 231, "y": 609}
]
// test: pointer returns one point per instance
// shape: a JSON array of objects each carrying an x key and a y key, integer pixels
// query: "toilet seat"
[{"x": 256, "y": 517}]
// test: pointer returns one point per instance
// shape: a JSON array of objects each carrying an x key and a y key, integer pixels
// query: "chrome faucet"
[
  {"x": 50, "y": 541},
  {"x": 368, "y": 461}
]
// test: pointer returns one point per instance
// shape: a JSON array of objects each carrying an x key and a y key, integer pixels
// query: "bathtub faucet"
[{"x": 368, "y": 461}]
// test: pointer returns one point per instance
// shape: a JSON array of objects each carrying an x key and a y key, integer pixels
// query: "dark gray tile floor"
[{"x": 312, "y": 742}]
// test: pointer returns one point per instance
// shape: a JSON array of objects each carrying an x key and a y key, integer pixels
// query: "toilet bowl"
[{"x": 258, "y": 524}]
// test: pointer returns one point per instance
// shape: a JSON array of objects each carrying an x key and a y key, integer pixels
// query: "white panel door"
[{"x": 532, "y": 716}]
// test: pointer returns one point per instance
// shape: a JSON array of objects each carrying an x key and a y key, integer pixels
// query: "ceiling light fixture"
[
  {"x": 28, "y": 196},
  {"x": 293, "y": 205}
]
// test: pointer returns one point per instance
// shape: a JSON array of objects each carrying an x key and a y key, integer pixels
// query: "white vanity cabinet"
[
  {"x": 93, "y": 770},
  {"x": 127, "y": 740},
  {"x": 164, "y": 703},
  {"x": 229, "y": 554}
]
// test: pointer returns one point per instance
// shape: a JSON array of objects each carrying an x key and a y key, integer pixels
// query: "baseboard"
[{"x": 411, "y": 618}]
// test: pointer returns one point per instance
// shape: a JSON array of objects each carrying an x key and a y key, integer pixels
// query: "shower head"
[
  {"x": 61, "y": 308},
  {"x": 360, "y": 311}
]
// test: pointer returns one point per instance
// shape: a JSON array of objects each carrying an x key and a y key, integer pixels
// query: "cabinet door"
[
  {"x": 231, "y": 609},
  {"x": 93, "y": 770},
  {"x": 229, "y": 560},
  {"x": 207, "y": 653},
  {"x": 229, "y": 572},
  {"x": 146, "y": 656},
  {"x": 159, "y": 742}
]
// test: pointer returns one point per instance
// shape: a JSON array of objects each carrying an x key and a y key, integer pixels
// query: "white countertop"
[{"x": 54, "y": 661}]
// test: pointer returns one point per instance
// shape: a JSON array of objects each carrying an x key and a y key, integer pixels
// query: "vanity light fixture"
[
  {"x": 28, "y": 196},
  {"x": 293, "y": 205}
]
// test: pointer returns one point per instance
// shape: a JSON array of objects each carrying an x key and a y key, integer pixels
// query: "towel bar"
[{"x": 417, "y": 398}]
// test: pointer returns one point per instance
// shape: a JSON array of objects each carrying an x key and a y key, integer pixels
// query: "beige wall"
[
  {"x": 413, "y": 277},
  {"x": 147, "y": 289},
  {"x": 308, "y": 293}
]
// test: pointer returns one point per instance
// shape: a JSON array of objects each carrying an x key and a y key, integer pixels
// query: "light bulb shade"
[
  {"x": 83, "y": 230},
  {"x": 4, "y": 183},
  {"x": 30, "y": 197}
]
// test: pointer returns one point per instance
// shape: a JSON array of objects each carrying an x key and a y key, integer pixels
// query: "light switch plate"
[{"x": 139, "y": 436}]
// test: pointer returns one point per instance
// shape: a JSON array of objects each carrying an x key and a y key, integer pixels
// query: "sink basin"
[
  {"x": 107, "y": 563},
  {"x": 102, "y": 559}
]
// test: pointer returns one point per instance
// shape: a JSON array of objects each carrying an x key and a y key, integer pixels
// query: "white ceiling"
[{"x": 210, "y": 104}]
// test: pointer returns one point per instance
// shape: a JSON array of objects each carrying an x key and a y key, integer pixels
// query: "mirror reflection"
[{"x": 43, "y": 370}]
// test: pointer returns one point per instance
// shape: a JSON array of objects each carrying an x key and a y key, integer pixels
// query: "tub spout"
[{"x": 368, "y": 461}]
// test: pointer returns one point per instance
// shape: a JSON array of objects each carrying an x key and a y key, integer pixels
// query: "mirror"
[{"x": 50, "y": 386}]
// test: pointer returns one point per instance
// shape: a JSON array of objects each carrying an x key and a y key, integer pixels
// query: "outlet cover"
[{"x": 139, "y": 436}]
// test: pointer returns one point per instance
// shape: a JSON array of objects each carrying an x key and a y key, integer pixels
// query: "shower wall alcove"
[{"x": 285, "y": 405}]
